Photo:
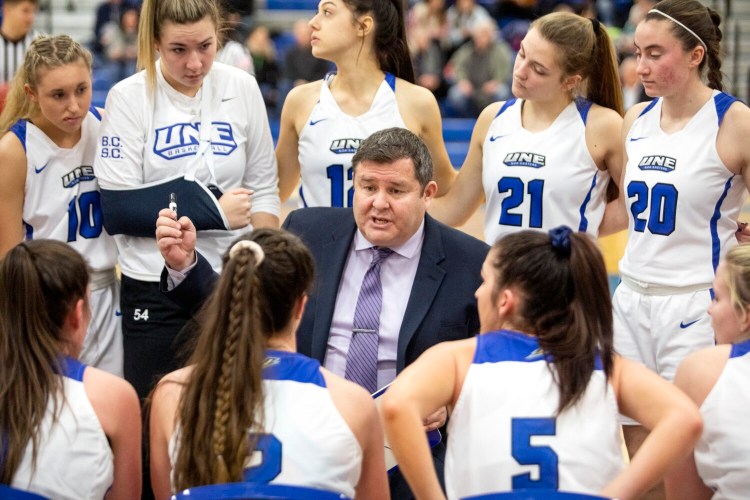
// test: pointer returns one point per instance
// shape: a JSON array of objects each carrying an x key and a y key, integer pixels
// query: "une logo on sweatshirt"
[{"x": 183, "y": 139}]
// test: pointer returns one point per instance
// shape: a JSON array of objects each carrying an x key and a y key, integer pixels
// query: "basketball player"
[
  {"x": 186, "y": 126},
  {"x": 69, "y": 431},
  {"x": 534, "y": 397},
  {"x": 716, "y": 380},
  {"x": 323, "y": 122},
  {"x": 310, "y": 428},
  {"x": 685, "y": 181},
  {"x": 48, "y": 188},
  {"x": 546, "y": 158}
]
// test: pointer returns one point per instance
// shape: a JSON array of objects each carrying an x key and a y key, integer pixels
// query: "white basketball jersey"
[
  {"x": 150, "y": 140},
  {"x": 330, "y": 138},
  {"x": 306, "y": 441},
  {"x": 61, "y": 199},
  {"x": 74, "y": 460},
  {"x": 722, "y": 454},
  {"x": 682, "y": 200},
  {"x": 503, "y": 433},
  {"x": 541, "y": 180}
]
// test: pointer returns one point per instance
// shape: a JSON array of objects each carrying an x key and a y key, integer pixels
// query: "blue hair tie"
[{"x": 560, "y": 239}]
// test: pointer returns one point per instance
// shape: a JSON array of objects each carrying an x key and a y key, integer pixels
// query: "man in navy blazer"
[{"x": 392, "y": 189}]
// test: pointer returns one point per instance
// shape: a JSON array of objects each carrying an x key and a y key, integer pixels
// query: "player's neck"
[
  {"x": 61, "y": 138},
  {"x": 537, "y": 116},
  {"x": 685, "y": 103}
]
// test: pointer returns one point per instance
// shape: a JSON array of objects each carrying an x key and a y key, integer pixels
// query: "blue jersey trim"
[
  {"x": 19, "y": 128},
  {"x": 740, "y": 349},
  {"x": 507, "y": 345},
  {"x": 715, "y": 243},
  {"x": 72, "y": 368},
  {"x": 302, "y": 197},
  {"x": 583, "y": 105},
  {"x": 584, "y": 225},
  {"x": 506, "y": 105},
  {"x": 96, "y": 113},
  {"x": 391, "y": 80},
  {"x": 649, "y": 107},
  {"x": 282, "y": 365},
  {"x": 722, "y": 102}
]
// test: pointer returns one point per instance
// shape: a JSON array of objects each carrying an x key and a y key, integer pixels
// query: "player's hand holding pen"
[{"x": 175, "y": 237}]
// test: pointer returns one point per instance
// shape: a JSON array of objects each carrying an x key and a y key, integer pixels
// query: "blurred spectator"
[
  {"x": 300, "y": 66},
  {"x": 245, "y": 10},
  {"x": 462, "y": 19},
  {"x": 18, "y": 18},
  {"x": 108, "y": 12},
  {"x": 120, "y": 43},
  {"x": 263, "y": 55},
  {"x": 481, "y": 71},
  {"x": 632, "y": 89},
  {"x": 427, "y": 16},
  {"x": 428, "y": 61},
  {"x": 233, "y": 52},
  {"x": 638, "y": 11}
]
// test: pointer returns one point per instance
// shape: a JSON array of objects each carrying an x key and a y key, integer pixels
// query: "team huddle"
[{"x": 367, "y": 348}]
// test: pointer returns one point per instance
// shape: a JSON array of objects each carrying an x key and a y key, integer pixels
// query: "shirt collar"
[{"x": 409, "y": 249}]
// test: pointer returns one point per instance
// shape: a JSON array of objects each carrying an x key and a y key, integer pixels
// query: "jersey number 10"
[{"x": 85, "y": 216}]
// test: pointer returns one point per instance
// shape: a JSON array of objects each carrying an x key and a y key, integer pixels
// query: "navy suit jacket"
[{"x": 441, "y": 304}]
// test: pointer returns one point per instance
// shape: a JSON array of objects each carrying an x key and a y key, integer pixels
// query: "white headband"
[
  {"x": 679, "y": 24},
  {"x": 250, "y": 245}
]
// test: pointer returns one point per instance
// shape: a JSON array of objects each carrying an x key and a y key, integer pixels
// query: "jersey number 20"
[
  {"x": 525, "y": 453},
  {"x": 663, "y": 210}
]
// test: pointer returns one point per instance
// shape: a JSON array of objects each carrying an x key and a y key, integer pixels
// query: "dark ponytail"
[
  {"x": 704, "y": 23},
  {"x": 565, "y": 302},
  {"x": 389, "y": 40}
]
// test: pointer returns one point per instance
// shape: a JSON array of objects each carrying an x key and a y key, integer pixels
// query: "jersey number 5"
[
  {"x": 525, "y": 453},
  {"x": 269, "y": 467}
]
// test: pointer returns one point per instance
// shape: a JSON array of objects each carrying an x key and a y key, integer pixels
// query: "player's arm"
[
  {"x": 164, "y": 404},
  {"x": 358, "y": 410},
  {"x": 12, "y": 189},
  {"x": 615, "y": 214},
  {"x": 287, "y": 149},
  {"x": 429, "y": 383},
  {"x": 116, "y": 405},
  {"x": 674, "y": 421},
  {"x": 467, "y": 192},
  {"x": 261, "y": 175},
  {"x": 696, "y": 376},
  {"x": 731, "y": 144}
]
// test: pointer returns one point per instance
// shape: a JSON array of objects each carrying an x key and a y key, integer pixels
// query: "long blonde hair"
[
  {"x": 45, "y": 52},
  {"x": 155, "y": 13}
]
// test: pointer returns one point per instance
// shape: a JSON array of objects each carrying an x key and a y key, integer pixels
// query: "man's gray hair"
[{"x": 392, "y": 144}]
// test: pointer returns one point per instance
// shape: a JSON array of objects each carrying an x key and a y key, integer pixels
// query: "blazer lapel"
[
  {"x": 426, "y": 285},
  {"x": 330, "y": 265}
]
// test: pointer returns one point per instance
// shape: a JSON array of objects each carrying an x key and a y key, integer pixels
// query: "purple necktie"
[{"x": 362, "y": 358}]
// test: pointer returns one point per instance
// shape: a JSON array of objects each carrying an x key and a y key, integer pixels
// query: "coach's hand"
[{"x": 175, "y": 239}]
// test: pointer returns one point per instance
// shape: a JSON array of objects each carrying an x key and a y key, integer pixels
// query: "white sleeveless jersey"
[
  {"x": 504, "y": 435},
  {"x": 150, "y": 140},
  {"x": 541, "y": 180},
  {"x": 682, "y": 200},
  {"x": 722, "y": 454},
  {"x": 330, "y": 138},
  {"x": 74, "y": 460},
  {"x": 306, "y": 441},
  {"x": 61, "y": 198}
]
